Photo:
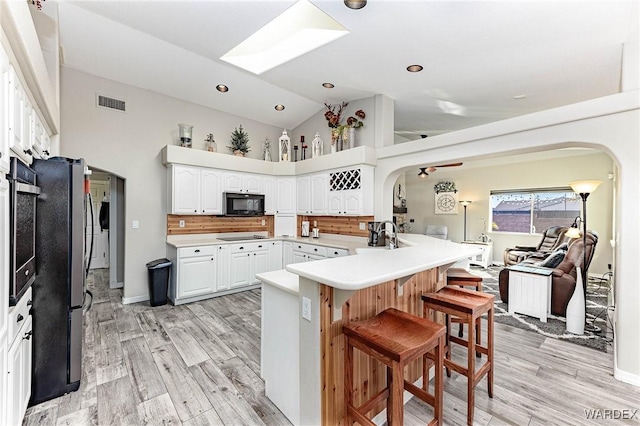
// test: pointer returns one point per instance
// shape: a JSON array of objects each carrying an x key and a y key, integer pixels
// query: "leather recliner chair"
[
  {"x": 552, "y": 238},
  {"x": 563, "y": 278}
]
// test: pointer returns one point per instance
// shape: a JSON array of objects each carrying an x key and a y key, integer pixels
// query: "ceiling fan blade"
[
  {"x": 449, "y": 165},
  {"x": 431, "y": 169}
]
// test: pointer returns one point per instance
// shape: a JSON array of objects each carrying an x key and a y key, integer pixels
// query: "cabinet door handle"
[
  {"x": 20, "y": 318},
  {"x": 28, "y": 151},
  {"x": 212, "y": 258},
  {"x": 260, "y": 246},
  {"x": 241, "y": 248},
  {"x": 29, "y": 303},
  {"x": 197, "y": 250},
  {"x": 27, "y": 335},
  {"x": 315, "y": 249},
  {"x": 195, "y": 211}
]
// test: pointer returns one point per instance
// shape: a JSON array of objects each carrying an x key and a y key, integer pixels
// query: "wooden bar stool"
[
  {"x": 394, "y": 338},
  {"x": 463, "y": 278},
  {"x": 469, "y": 306}
]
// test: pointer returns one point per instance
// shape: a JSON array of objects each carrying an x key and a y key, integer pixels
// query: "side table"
[
  {"x": 530, "y": 292},
  {"x": 484, "y": 259}
]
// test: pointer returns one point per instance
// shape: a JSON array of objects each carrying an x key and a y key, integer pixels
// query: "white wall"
[
  {"x": 128, "y": 145},
  {"x": 475, "y": 185}
]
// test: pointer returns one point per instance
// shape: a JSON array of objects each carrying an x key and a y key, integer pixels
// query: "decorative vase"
[
  {"x": 352, "y": 137},
  {"x": 345, "y": 138},
  {"x": 335, "y": 137},
  {"x": 575, "y": 309},
  {"x": 238, "y": 153}
]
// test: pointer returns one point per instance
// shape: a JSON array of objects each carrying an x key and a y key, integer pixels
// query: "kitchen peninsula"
[{"x": 332, "y": 292}]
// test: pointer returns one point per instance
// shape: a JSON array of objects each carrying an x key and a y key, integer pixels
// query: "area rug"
[{"x": 555, "y": 327}]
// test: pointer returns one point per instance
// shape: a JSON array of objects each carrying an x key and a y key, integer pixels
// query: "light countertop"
[
  {"x": 420, "y": 252},
  {"x": 328, "y": 240},
  {"x": 281, "y": 279}
]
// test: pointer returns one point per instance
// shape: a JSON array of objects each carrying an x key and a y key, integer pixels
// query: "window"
[{"x": 533, "y": 210}]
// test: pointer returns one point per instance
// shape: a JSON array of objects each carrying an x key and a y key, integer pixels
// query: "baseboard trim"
[
  {"x": 623, "y": 376},
  {"x": 136, "y": 299}
]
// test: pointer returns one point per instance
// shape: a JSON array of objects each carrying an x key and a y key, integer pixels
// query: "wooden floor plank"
[
  {"x": 142, "y": 369},
  {"x": 158, "y": 411},
  {"x": 85, "y": 417},
  {"x": 227, "y": 401},
  {"x": 154, "y": 333},
  {"x": 116, "y": 403},
  {"x": 215, "y": 347},
  {"x": 208, "y": 418},
  {"x": 109, "y": 357},
  {"x": 184, "y": 391},
  {"x": 45, "y": 417}
]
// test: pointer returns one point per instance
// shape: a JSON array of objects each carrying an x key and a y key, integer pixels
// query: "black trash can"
[{"x": 159, "y": 271}]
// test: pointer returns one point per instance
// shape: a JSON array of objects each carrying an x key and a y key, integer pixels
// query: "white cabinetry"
[
  {"x": 242, "y": 182},
  {"x": 302, "y": 252},
  {"x": 18, "y": 368},
  {"x": 196, "y": 272},
  {"x": 4, "y": 111},
  {"x": 4, "y": 254},
  {"x": 275, "y": 255},
  {"x": 3, "y": 380},
  {"x": 351, "y": 192},
  {"x": 270, "y": 194},
  {"x": 194, "y": 190},
  {"x": 484, "y": 259},
  {"x": 193, "y": 274},
  {"x": 247, "y": 260},
  {"x": 223, "y": 281},
  {"x": 19, "y": 114},
  {"x": 285, "y": 225},
  {"x": 285, "y": 195},
  {"x": 312, "y": 194},
  {"x": 287, "y": 253}
]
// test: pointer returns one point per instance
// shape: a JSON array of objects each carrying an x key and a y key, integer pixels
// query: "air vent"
[{"x": 111, "y": 103}]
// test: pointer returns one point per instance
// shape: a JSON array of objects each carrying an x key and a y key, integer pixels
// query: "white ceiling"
[{"x": 477, "y": 55}]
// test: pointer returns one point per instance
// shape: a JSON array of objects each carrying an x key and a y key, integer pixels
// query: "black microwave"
[{"x": 236, "y": 204}]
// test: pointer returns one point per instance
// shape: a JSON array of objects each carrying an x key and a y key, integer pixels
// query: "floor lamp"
[
  {"x": 465, "y": 204},
  {"x": 584, "y": 188}
]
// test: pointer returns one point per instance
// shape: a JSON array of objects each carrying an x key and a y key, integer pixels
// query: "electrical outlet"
[
  {"x": 264, "y": 222},
  {"x": 315, "y": 223},
  {"x": 412, "y": 220},
  {"x": 135, "y": 224},
  {"x": 306, "y": 308},
  {"x": 363, "y": 226},
  {"x": 182, "y": 224}
]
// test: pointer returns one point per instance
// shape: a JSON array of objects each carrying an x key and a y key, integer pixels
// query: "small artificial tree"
[{"x": 239, "y": 141}]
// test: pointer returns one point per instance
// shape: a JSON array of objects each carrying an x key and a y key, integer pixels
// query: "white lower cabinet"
[
  {"x": 4, "y": 379},
  {"x": 18, "y": 362},
  {"x": 247, "y": 260},
  {"x": 206, "y": 271},
  {"x": 275, "y": 255},
  {"x": 224, "y": 267}
]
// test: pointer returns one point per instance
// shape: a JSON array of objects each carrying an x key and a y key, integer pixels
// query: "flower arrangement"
[
  {"x": 333, "y": 115},
  {"x": 444, "y": 186},
  {"x": 239, "y": 141}
]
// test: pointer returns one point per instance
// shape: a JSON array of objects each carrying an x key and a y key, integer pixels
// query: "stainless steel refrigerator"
[{"x": 59, "y": 288}]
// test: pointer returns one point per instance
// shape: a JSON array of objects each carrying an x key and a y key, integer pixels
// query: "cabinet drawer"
[
  {"x": 196, "y": 251},
  {"x": 252, "y": 246},
  {"x": 310, "y": 249},
  {"x": 336, "y": 252},
  {"x": 18, "y": 316}
]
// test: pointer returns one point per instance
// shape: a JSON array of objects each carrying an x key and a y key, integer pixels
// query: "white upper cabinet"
[
  {"x": 194, "y": 190},
  {"x": 318, "y": 195},
  {"x": 4, "y": 111},
  {"x": 270, "y": 194},
  {"x": 285, "y": 195},
  {"x": 303, "y": 189},
  {"x": 243, "y": 183},
  {"x": 351, "y": 192},
  {"x": 19, "y": 117}
]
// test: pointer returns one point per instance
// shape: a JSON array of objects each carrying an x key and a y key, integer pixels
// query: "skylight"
[{"x": 298, "y": 30}]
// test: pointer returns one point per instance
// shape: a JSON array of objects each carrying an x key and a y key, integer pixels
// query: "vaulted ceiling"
[{"x": 483, "y": 61}]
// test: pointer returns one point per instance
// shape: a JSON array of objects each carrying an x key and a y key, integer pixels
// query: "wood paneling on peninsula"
[
  {"x": 369, "y": 375},
  {"x": 202, "y": 224},
  {"x": 341, "y": 225}
]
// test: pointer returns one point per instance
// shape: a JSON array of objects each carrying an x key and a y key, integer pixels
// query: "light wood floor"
[{"x": 198, "y": 364}]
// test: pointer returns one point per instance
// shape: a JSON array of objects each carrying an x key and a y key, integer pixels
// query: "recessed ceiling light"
[
  {"x": 415, "y": 68},
  {"x": 222, "y": 88},
  {"x": 298, "y": 30},
  {"x": 279, "y": 107},
  {"x": 328, "y": 85},
  {"x": 519, "y": 96},
  {"x": 355, "y": 4}
]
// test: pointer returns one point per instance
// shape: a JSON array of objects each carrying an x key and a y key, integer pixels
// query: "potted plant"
[{"x": 239, "y": 142}]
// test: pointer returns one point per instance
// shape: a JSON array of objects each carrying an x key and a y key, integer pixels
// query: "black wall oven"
[{"x": 22, "y": 217}]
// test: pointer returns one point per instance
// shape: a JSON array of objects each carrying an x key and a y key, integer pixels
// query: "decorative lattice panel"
[{"x": 344, "y": 180}]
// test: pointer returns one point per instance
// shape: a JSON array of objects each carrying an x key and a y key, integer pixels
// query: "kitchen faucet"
[{"x": 393, "y": 238}]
